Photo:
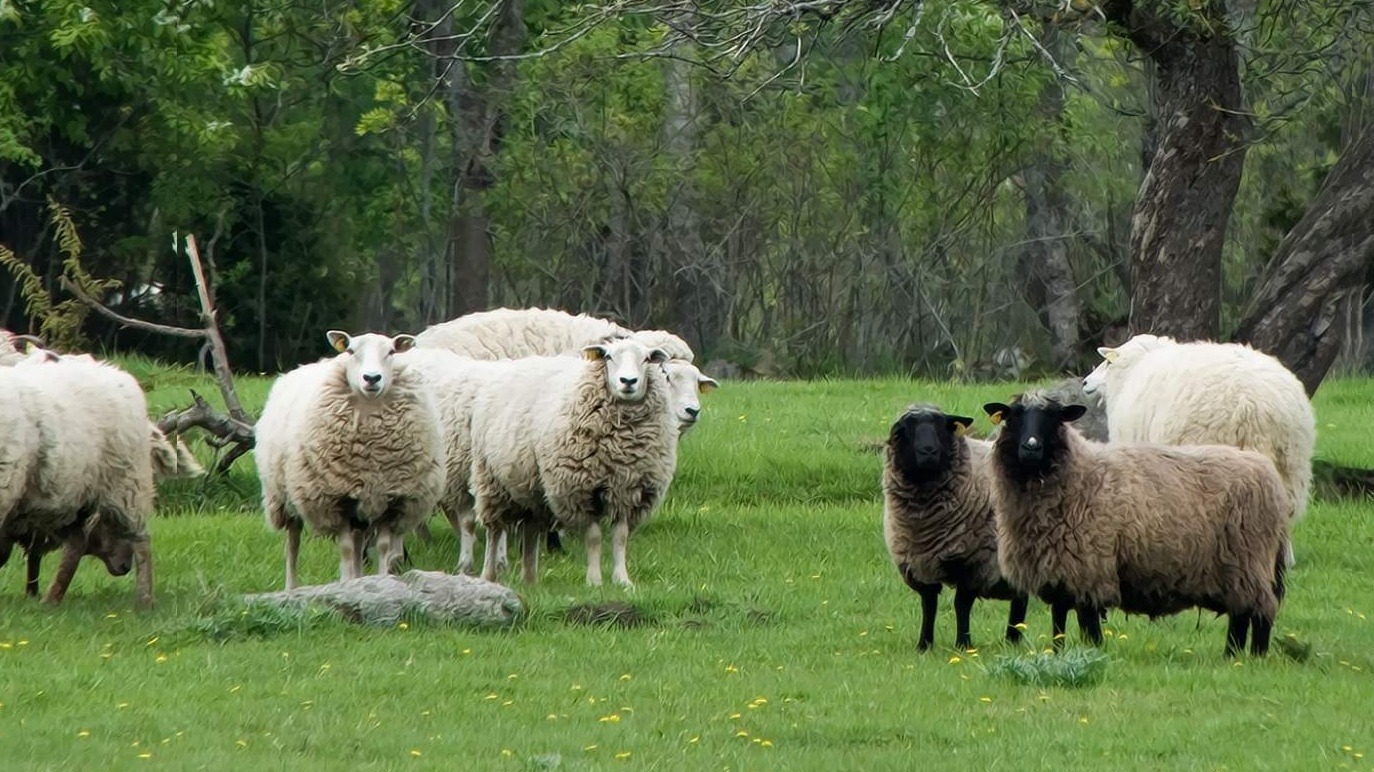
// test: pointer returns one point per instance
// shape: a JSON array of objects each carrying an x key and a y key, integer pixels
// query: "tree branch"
[{"x": 138, "y": 324}]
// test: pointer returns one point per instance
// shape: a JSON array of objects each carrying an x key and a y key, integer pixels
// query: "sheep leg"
[
  {"x": 1262, "y": 627},
  {"x": 1059, "y": 619},
  {"x": 529, "y": 536},
  {"x": 350, "y": 562},
  {"x": 1090, "y": 623},
  {"x": 465, "y": 525},
  {"x": 1016, "y": 618},
  {"x": 496, "y": 535},
  {"x": 386, "y": 550},
  {"x": 33, "y": 564},
  {"x": 930, "y": 601},
  {"x": 553, "y": 542},
  {"x": 143, "y": 579},
  {"x": 293, "y": 549},
  {"x": 620, "y": 537},
  {"x": 502, "y": 553},
  {"x": 1236, "y": 628},
  {"x": 593, "y": 554},
  {"x": 73, "y": 547},
  {"x": 964, "y": 597}
]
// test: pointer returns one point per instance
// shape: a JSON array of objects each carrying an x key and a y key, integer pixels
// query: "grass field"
[{"x": 777, "y": 635}]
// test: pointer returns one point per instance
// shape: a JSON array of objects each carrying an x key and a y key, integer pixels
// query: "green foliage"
[{"x": 1072, "y": 668}]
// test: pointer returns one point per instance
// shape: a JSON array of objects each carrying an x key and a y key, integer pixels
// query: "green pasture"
[{"x": 771, "y": 633}]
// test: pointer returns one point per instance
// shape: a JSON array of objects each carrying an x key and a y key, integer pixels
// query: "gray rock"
[{"x": 386, "y": 600}]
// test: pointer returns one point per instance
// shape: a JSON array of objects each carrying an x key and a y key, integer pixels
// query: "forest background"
[{"x": 949, "y": 188}]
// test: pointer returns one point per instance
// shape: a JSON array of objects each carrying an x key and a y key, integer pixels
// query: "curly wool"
[
  {"x": 1149, "y": 529},
  {"x": 944, "y": 531},
  {"x": 318, "y": 445},
  {"x": 513, "y": 333}
]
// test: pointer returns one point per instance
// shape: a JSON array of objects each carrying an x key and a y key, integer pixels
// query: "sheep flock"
[{"x": 1168, "y": 478}]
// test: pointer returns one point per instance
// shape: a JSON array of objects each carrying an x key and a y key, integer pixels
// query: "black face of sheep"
[
  {"x": 922, "y": 442},
  {"x": 1033, "y": 437}
]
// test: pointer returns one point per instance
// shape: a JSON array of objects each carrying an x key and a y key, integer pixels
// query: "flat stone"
[{"x": 387, "y": 600}]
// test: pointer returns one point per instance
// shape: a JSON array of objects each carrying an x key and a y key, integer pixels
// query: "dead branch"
[
  {"x": 138, "y": 324},
  {"x": 218, "y": 354},
  {"x": 224, "y": 430}
]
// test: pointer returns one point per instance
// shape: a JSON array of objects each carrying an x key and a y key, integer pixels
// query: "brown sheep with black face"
[
  {"x": 1149, "y": 529},
  {"x": 938, "y": 519}
]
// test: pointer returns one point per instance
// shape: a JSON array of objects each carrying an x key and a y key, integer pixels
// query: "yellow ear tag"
[
  {"x": 996, "y": 418},
  {"x": 960, "y": 430},
  {"x": 1110, "y": 356}
]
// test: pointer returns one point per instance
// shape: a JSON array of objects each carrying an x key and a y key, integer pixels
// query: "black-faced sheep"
[
  {"x": 938, "y": 520},
  {"x": 1149, "y": 529}
]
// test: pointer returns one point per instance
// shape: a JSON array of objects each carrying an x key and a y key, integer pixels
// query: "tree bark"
[
  {"x": 1295, "y": 313},
  {"x": 1043, "y": 265},
  {"x": 1179, "y": 223}
]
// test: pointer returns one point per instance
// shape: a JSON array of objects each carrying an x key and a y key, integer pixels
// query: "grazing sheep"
[
  {"x": 573, "y": 442},
  {"x": 81, "y": 479},
  {"x": 1159, "y": 390},
  {"x": 170, "y": 460},
  {"x": 512, "y": 333},
  {"x": 1151, "y": 529},
  {"x": 352, "y": 446},
  {"x": 938, "y": 520}
]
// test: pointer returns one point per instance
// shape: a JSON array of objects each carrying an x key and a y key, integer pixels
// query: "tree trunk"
[
  {"x": 699, "y": 296},
  {"x": 1181, "y": 211},
  {"x": 1295, "y": 313},
  {"x": 1043, "y": 266}
]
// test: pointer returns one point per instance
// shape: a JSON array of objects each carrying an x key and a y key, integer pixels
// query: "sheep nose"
[
  {"x": 1031, "y": 443},
  {"x": 629, "y": 381},
  {"x": 692, "y": 412},
  {"x": 372, "y": 379}
]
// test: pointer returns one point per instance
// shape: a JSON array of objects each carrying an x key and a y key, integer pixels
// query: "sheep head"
[
  {"x": 1032, "y": 439},
  {"x": 1116, "y": 360},
  {"x": 369, "y": 365},
  {"x": 685, "y": 385},
  {"x": 626, "y": 363},
  {"x": 925, "y": 442}
]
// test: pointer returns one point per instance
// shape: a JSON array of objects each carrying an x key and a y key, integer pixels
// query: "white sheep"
[
  {"x": 512, "y": 333},
  {"x": 578, "y": 443},
  {"x": 1201, "y": 393},
  {"x": 352, "y": 446},
  {"x": 81, "y": 478},
  {"x": 171, "y": 460}
]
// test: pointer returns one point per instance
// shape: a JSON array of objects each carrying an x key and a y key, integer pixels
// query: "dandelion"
[
  {"x": 625, "y": 676},
  {"x": 145, "y": 755},
  {"x": 507, "y": 703},
  {"x": 741, "y": 733},
  {"x": 767, "y": 743},
  {"x": 467, "y": 651},
  {"x": 623, "y": 755},
  {"x": 589, "y": 748},
  {"x": 161, "y": 658},
  {"x": 152, "y": 640},
  {"x": 731, "y": 669},
  {"x": 1083, "y": 720},
  {"x": 1021, "y": 626},
  {"x": 242, "y": 743},
  {"x": 235, "y": 688},
  {"x": 985, "y": 699},
  {"x": 84, "y": 733},
  {"x": 577, "y": 687},
  {"x": 734, "y": 716},
  {"x": 6, "y": 645},
  {"x": 122, "y": 706},
  {"x": 403, "y": 626},
  {"x": 954, "y": 660},
  {"x": 613, "y": 718},
  {"x": 695, "y": 739},
  {"x": 23, "y": 643},
  {"x": 492, "y": 696},
  {"x": 507, "y": 753},
  {"x": 415, "y": 753}
]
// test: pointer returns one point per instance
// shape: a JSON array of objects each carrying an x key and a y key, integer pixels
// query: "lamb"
[
  {"x": 938, "y": 519},
  {"x": 1151, "y": 529},
  {"x": 579, "y": 443},
  {"x": 512, "y": 333},
  {"x": 1159, "y": 390},
  {"x": 352, "y": 446},
  {"x": 80, "y": 480}
]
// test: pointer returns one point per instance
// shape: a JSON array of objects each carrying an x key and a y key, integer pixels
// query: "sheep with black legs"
[
  {"x": 1149, "y": 529},
  {"x": 577, "y": 443},
  {"x": 938, "y": 520},
  {"x": 351, "y": 445}
]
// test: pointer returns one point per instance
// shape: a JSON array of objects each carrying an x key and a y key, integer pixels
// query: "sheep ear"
[
  {"x": 706, "y": 384},
  {"x": 658, "y": 356},
  {"x": 959, "y": 424},
  {"x": 995, "y": 411},
  {"x": 594, "y": 353},
  {"x": 1072, "y": 412},
  {"x": 338, "y": 339},
  {"x": 402, "y": 343},
  {"x": 1109, "y": 354}
]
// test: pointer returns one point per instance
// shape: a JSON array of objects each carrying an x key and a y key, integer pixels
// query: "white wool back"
[
  {"x": 513, "y": 333},
  {"x": 318, "y": 442},
  {"x": 58, "y": 460},
  {"x": 1214, "y": 394}
]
